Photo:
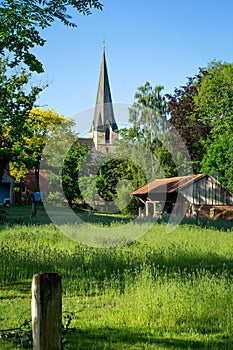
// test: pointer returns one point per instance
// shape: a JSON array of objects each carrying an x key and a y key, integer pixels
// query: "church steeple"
[
  {"x": 104, "y": 114},
  {"x": 104, "y": 126}
]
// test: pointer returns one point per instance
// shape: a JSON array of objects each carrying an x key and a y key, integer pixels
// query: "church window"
[{"x": 107, "y": 135}]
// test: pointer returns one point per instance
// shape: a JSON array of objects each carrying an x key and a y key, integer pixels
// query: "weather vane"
[{"x": 104, "y": 43}]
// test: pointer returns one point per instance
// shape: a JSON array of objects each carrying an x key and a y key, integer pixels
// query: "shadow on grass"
[
  {"x": 219, "y": 224},
  {"x": 181, "y": 261},
  {"x": 116, "y": 339},
  {"x": 15, "y": 290},
  {"x": 121, "y": 339},
  {"x": 21, "y": 215}
]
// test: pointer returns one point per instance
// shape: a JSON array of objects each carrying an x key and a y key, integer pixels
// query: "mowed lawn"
[{"x": 164, "y": 291}]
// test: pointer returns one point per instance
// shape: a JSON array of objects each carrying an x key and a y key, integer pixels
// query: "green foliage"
[
  {"x": 144, "y": 142},
  {"x": 105, "y": 184},
  {"x": 116, "y": 180},
  {"x": 148, "y": 114},
  {"x": 214, "y": 103},
  {"x": 70, "y": 171},
  {"x": 62, "y": 158},
  {"x": 124, "y": 199},
  {"x": 219, "y": 157},
  {"x": 201, "y": 111},
  {"x": 185, "y": 119},
  {"x": 16, "y": 102},
  {"x": 132, "y": 147},
  {"x": 87, "y": 185},
  {"x": 41, "y": 125},
  {"x": 22, "y": 21}
]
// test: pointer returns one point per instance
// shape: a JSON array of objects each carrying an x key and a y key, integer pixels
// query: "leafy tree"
[
  {"x": 89, "y": 193},
  {"x": 126, "y": 202},
  {"x": 58, "y": 155},
  {"x": 201, "y": 111},
  {"x": 148, "y": 114},
  {"x": 214, "y": 104},
  {"x": 185, "y": 119},
  {"x": 214, "y": 101},
  {"x": 70, "y": 171},
  {"x": 110, "y": 181},
  {"x": 22, "y": 20},
  {"x": 143, "y": 141},
  {"x": 111, "y": 173},
  {"x": 219, "y": 157},
  {"x": 42, "y": 125},
  {"x": 229, "y": 166},
  {"x": 16, "y": 102}
]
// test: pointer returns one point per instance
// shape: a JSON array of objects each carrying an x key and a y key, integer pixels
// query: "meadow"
[{"x": 164, "y": 291}]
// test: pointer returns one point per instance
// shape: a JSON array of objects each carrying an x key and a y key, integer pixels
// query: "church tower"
[{"x": 104, "y": 130}]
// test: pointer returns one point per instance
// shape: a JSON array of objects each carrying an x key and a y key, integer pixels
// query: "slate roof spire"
[{"x": 104, "y": 114}]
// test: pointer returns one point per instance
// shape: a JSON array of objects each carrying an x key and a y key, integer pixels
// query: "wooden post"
[
  {"x": 140, "y": 212},
  {"x": 46, "y": 312},
  {"x": 147, "y": 209}
]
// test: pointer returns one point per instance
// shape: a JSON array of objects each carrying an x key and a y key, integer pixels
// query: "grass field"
[{"x": 163, "y": 291}]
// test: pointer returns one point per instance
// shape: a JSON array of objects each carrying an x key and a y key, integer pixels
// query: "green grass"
[{"x": 163, "y": 291}]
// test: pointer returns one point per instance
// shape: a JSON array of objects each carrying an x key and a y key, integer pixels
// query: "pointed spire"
[
  {"x": 104, "y": 44},
  {"x": 104, "y": 114}
]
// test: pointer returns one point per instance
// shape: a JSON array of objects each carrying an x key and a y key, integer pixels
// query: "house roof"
[
  {"x": 104, "y": 114},
  {"x": 169, "y": 185}
]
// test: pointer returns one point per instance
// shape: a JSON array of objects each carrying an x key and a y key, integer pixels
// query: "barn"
[
  {"x": 192, "y": 192},
  {"x": 7, "y": 189}
]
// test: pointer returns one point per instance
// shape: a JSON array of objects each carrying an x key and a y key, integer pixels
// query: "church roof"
[
  {"x": 86, "y": 140},
  {"x": 104, "y": 114}
]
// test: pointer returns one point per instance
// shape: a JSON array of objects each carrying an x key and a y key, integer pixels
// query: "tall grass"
[{"x": 163, "y": 287}]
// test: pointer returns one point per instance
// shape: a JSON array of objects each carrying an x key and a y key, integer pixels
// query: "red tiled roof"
[{"x": 167, "y": 185}]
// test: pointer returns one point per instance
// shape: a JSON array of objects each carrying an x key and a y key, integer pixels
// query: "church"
[{"x": 104, "y": 129}]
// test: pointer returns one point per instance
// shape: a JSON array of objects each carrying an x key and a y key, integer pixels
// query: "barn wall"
[{"x": 206, "y": 191}]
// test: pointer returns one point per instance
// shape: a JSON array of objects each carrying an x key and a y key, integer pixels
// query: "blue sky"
[{"x": 162, "y": 42}]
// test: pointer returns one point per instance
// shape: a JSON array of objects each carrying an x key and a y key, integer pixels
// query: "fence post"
[{"x": 46, "y": 312}]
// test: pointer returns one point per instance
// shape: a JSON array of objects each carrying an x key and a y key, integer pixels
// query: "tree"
[
  {"x": 185, "y": 119},
  {"x": 214, "y": 101},
  {"x": 219, "y": 158},
  {"x": 16, "y": 102},
  {"x": 116, "y": 179},
  {"x": 202, "y": 112},
  {"x": 143, "y": 141},
  {"x": 109, "y": 182},
  {"x": 214, "y": 104},
  {"x": 70, "y": 171},
  {"x": 42, "y": 125},
  {"x": 22, "y": 20},
  {"x": 148, "y": 114}
]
